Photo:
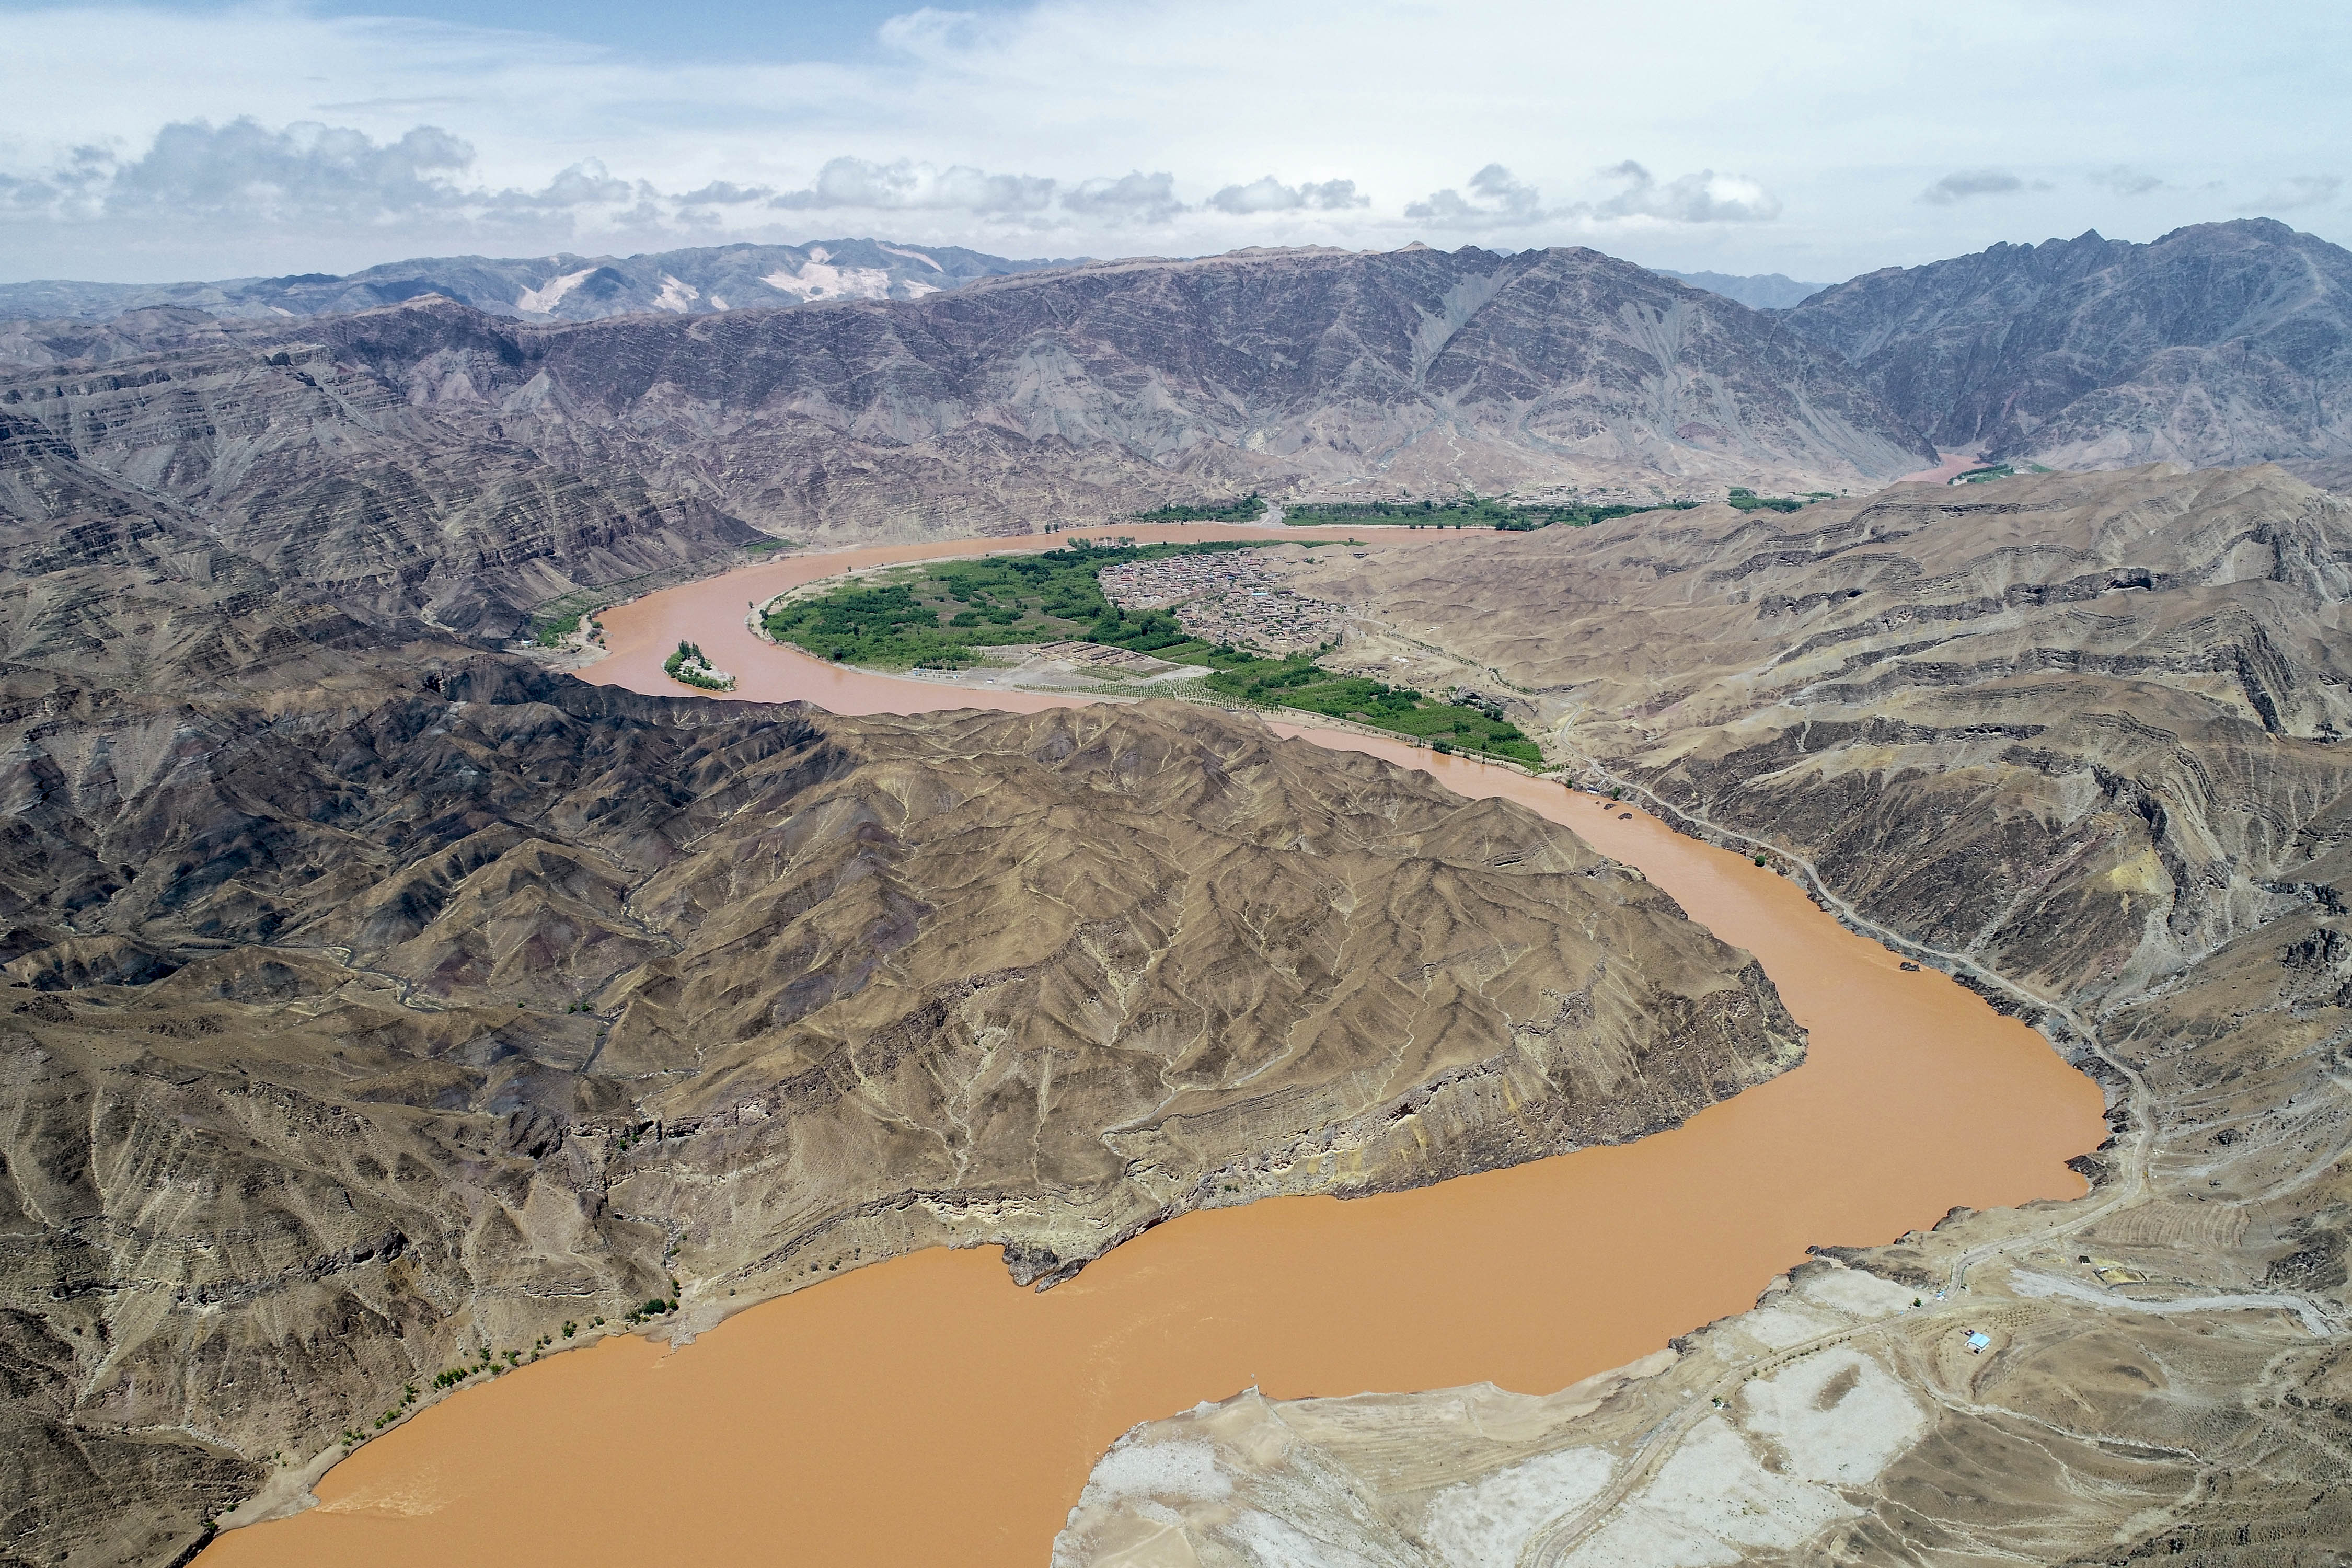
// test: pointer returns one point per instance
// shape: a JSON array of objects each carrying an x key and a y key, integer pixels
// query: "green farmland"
[
  {"x": 948, "y": 614},
  {"x": 1469, "y": 512}
]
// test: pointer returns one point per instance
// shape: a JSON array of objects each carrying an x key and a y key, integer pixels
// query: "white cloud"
[
  {"x": 2299, "y": 191},
  {"x": 854, "y": 184},
  {"x": 1833, "y": 116},
  {"x": 1495, "y": 200},
  {"x": 857, "y": 186},
  {"x": 1137, "y": 198},
  {"x": 1969, "y": 184},
  {"x": 2127, "y": 181},
  {"x": 310, "y": 176},
  {"x": 724, "y": 193},
  {"x": 1703, "y": 198},
  {"x": 1271, "y": 196}
]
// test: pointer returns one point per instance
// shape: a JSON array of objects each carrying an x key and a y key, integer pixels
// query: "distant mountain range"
[
  {"x": 2217, "y": 345},
  {"x": 432, "y": 457},
  {"x": 437, "y": 457},
  {"x": 1760, "y": 291},
  {"x": 568, "y": 288},
  {"x": 551, "y": 287}
]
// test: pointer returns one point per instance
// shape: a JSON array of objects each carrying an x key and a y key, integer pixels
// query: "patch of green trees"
[
  {"x": 1249, "y": 509},
  {"x": 688, "y": 665},
  {"x": 946, "y": 615},
  {"x": 1749, "y": 500},
  {"x": 1299, "y": 682},
  {"x": 1469, "y": 510}
]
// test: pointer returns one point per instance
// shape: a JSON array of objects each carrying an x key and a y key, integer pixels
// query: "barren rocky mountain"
[
  {"x": 375, "y": 1010},
  {"x": 2173, "y": 643},
  {"x": 362, "y": 1025},
  {"x": 482, "y": 466},
  {"x": 2077, "y": 740},
  {"x": 228, "y": 478},
  {"x": 1763, "y": 291},
  {"x": 2220, "y": 343},
  {"x": 563, "y": 286}
]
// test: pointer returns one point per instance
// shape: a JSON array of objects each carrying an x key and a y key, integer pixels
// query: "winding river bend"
[{"x": 926, "y": 1410}]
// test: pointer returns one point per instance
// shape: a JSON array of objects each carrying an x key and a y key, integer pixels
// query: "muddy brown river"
[{"x": 927, "y": 1410}]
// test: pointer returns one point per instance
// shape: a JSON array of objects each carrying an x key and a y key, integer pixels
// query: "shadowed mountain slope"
[
  {"x": 239, "y": 470},
  {"x": 2217, "y": 345}
]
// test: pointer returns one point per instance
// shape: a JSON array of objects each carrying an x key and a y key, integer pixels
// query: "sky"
[{"x": 195, "y": 138}]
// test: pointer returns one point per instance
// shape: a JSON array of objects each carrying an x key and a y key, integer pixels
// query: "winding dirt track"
[{"x": 926, "y": 1409}]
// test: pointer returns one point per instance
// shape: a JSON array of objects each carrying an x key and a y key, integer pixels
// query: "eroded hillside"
[
  {"x": 2116, "y": 700},
  {"x": 2076, "y": 739},
  {"x": 359, "y": 1030}
]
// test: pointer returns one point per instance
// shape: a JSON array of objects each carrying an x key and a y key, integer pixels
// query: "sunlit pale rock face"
[{"x": 565, "y": 288}]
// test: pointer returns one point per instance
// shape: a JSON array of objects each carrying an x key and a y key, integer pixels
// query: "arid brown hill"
[
  {"x": 232, "y": 482},
  {"x": 2120, "y": 698},
  {"x": 352, "y": 1031},
  {"x": 2080, "y": 739},
  {"x": 2220, "y": 344},
  {"x": 480, "y": 465}
]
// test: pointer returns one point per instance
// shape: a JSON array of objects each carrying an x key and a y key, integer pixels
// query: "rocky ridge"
[
  {"x": 1075, "y": 394},
  {"x": 56, "y": 316},
  {"x": 479, "y": 467},
  {"x": 1765, "y": 292},
  {"x": 245, "y": 478},
  {"x": 2216, "y": 345}
]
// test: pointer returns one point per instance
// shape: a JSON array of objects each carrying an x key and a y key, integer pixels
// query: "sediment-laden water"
[{"x": 927, "y": 1410}]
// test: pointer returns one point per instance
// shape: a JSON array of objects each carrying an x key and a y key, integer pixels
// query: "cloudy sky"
[{"x": 191, "y": 138}]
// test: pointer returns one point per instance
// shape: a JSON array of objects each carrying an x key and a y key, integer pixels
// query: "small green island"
[
  {"x": 689, "y": 666},
  {"x": 948, "y": 614}
]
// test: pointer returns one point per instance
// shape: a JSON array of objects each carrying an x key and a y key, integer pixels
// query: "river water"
[{"x": 926, "y": 1411}]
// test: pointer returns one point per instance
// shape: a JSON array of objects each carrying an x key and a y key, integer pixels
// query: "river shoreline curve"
[{"x": 926, "y": 1406}]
